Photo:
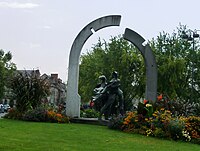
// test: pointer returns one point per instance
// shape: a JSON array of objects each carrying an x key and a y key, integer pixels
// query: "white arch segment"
[
  {"x": 73, "y": 98},
  {"x": 150, "y": 63}
]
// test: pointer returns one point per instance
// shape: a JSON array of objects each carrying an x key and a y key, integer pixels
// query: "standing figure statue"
[{"x": 110, "y": 96}]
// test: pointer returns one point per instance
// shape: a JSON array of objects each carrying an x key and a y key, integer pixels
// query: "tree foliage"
[
  {"x": 106, "y": 57},
  {"x": 174, "y": 56},
  {"x": 175, "y": 59},
  {"x": 6, "y": 70}
]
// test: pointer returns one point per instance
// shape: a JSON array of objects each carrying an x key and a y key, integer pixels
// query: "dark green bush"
[
  {"x": 185, "y": 108},
  {"x": 176, "y": 128},
  {"x": 141, "y": 109},
  {"x": 116, "y": 122},
  {"x": 28, "y": 90},
  {"x": 14, "y": 114},
  {"x": 159, "y": 133},
  {"x": 37, "y": 115}
]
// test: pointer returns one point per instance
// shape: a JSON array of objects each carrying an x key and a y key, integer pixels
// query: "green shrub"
[
  {"x": 89, "y": 113},
  {"x": 158, "y": 132},
  {"x": 175, "y": 128}
]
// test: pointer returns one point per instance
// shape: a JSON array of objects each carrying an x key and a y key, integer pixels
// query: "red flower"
[
  {"x": 160, "y": 97},
  {"x": 91, "y": 103},
  {"x": 146, "y": 101}
]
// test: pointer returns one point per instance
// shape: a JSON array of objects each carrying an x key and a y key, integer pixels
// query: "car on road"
[
  {"x": 1, "y": 108},
  {"x": 6, "y": 107}
]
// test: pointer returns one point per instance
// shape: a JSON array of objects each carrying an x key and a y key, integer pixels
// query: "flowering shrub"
[
  {"x": 161, "y": 124},
  {"x": 160, "y": 97},
  {"x": 185, "y": 108},
  {"x": 164, "y": 119},
  {"x": 149, "y": 109},
  {"x": 186, "y": 136},
  {"x": 130, "y": 121},
  {"x": 149, "y": 132},
  {"x": 13, "y": 113},
  {"x": 135, "y": 123},
  {"x": 178, "y": 107},
  {"x": 163, "y": 101},
  {"x": 141, "y": 108},
  {"x": 56, "y": 117},
  {"x": 145, "y": 108},
  {"x": 161, "y": 119},
  {"x": 192, "y": 126},
  {"x": 39, "y": 114}
]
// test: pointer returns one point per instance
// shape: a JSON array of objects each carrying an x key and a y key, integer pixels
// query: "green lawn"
[{"x": 30, "y": 136}]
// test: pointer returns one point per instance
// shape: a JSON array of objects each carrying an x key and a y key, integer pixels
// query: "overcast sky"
[{"x": 39, "y": 33}]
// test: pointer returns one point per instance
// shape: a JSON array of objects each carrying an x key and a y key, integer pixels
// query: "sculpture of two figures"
[{"x": 108, "y": 99}]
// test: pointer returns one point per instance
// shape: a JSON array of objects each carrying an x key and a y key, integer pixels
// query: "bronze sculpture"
[{"x": 109, "y": 97}]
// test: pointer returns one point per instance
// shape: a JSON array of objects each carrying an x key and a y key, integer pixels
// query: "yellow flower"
[
  {"x": 125, "y": 123},
  {"x": 154, "y": 114},
  {"x": 149, "y": 132},
  {"x": 148, "y": 105}
]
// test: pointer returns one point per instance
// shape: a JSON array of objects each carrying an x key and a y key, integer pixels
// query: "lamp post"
[{"x": 191, "y": 37}]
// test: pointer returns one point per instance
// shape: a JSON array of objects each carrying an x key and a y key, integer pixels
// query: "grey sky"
[{"x": 39, "y": 33}]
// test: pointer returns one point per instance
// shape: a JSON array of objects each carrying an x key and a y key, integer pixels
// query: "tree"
[
  {"x": 106, "y": 57},
  {"x": 7, "y": 69},
  {"x": 174, "y": 59}
]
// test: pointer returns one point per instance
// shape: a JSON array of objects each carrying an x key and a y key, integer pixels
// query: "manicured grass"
[{"x": 30, "y": 136}]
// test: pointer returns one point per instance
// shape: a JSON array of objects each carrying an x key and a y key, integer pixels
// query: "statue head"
[
  {"x": 114, "y": 74},
  {"x": 102, "y": 78}
]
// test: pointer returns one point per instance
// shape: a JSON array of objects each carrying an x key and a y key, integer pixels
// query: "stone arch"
[
  {"x": 150, "y": 63},
  {"x": 73, "y": 98}
]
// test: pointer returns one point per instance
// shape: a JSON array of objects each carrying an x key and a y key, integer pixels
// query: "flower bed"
[
  {"x": 160, "y": 123},
  {"x": 38, "y": 115}
]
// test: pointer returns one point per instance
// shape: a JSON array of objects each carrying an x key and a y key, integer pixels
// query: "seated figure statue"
[{"x": 99, "y": 97}]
